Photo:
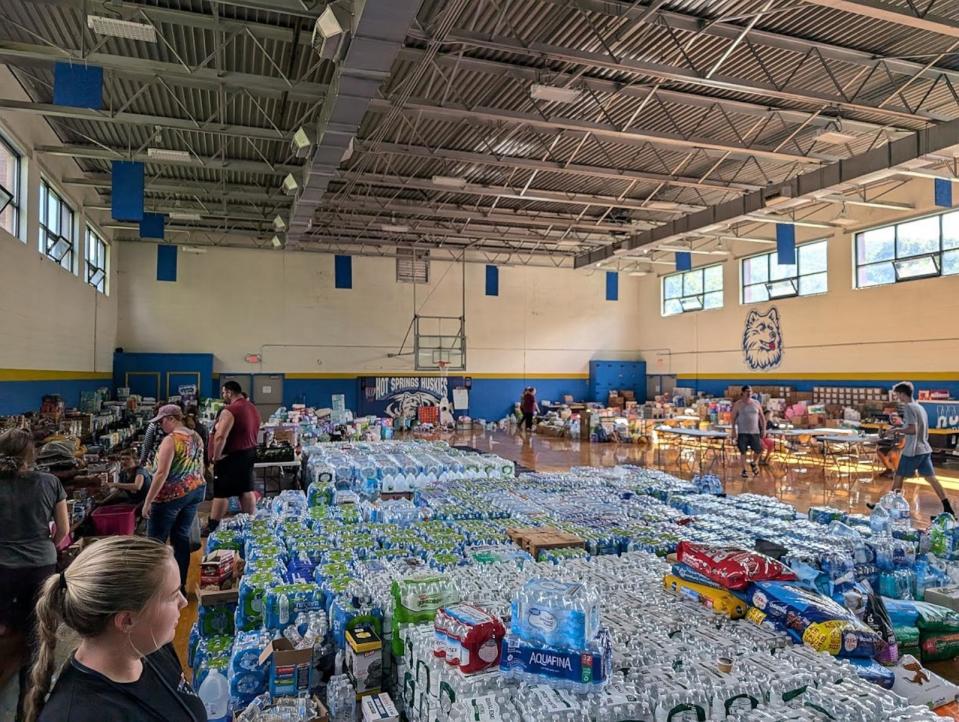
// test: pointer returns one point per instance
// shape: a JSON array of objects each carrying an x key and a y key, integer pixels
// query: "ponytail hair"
[
  {"x": 112, "y": 575},
  {"x": 16, "y": 452}
]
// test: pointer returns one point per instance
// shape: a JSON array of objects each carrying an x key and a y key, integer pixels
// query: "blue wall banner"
[{"x": 402, "y": 395}]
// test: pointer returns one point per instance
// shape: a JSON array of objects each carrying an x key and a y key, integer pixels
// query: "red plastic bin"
[{"x": 114, "y": 520}]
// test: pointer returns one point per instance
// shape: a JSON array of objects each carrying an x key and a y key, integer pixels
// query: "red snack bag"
[{"x": 731, "y": 567}]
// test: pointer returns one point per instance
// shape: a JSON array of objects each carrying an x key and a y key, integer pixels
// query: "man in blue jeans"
[{"x": 917, "y": 453}]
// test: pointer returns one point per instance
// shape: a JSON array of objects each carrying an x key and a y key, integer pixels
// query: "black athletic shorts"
[
  {"x": 749, "y": 441},
  {"x": 233, "y": 474}
]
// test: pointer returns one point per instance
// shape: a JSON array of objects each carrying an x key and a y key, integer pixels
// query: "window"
[
  {"x": 96, "y": 259},
  {"x": 701, "y": 288},
  {"x": 9, "y": 188},
  {"x": 412, "y": 266},
  {"x": 764, "y": 279},
  {"x": 56, "y": 228},
  {"x": 923, "y": 248}
]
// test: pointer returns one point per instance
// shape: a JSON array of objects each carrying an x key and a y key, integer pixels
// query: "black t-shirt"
[{"x": 162, "y": 694}]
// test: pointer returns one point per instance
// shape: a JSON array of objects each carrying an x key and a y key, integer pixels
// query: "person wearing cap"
[
  {"x": 177, "y": 488},
  {"x": 917, "y": 453}
]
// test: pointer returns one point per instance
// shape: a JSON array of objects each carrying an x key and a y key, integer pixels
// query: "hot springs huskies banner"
[{"x": 395, "y": 396}]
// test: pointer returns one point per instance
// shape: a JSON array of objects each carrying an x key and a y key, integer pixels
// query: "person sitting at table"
[
  {"x": 133, "y": 483},
  {"x": 748, "y": 428},
  {"x": 769, "y": 444}
]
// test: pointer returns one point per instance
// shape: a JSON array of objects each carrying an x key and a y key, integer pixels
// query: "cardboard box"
[
  {"x": 920, "y": 686},
  {"x": 290, "y": 668},
  {"x": 944, "y": 596},
  {"x": 322, "y": 714},
  {"x": 218, "y": 570},
  {"x": 379, "y": 708},
  {"x": 364, "y": 659}
]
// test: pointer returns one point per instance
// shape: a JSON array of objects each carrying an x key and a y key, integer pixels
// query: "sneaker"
[
  {"x": 754, "y": 468},
  {"x": 744, "y": 474},
  {"x": 947, "y": 507}
]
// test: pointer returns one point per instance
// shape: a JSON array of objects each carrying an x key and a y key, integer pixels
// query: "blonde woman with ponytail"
[
  {"x": 122, "y": 596},
  {"x": 29, "y": 502}
]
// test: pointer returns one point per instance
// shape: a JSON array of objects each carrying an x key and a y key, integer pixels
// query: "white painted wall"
[
  {"x": 50, "y": 318},
  {"x": 234, "y": 302},
  {"x": 896, "y": 328}
]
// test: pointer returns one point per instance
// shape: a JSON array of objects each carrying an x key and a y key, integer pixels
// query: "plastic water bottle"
[
  {"x": 897, "y": 505},
  {"x": 215, "y": 695},
  {"x": 880, "y": 520}
]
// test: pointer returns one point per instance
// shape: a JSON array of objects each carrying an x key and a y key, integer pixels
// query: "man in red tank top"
[{"x": 233, "y": 451}]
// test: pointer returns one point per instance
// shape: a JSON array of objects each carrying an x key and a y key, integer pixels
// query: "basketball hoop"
[{"x": 444, "y": 367}]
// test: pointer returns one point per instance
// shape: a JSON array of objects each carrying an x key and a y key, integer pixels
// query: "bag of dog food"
[
  {"x": 730, "y": 567},
  {"x": 813, "y": 619}
]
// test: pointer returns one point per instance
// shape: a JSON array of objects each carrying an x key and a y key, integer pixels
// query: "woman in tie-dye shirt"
[{"x": 178, "y": 486}]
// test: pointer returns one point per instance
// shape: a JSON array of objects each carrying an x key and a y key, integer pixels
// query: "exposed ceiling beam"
[
  {"x": 174, "y": 73},
  {"x": 685, "y": 75},
  {"x": 217, "y": 191},
  {"x": 200, "y": 163},
  {"x": 230, "y": 213},
  {"x": 151, "y": 121},
  {"x": 133, "y": 10},
  {"x": 532, "y": 195},
  {"x": 420, "y": 106},
  {"x": 502, "y": 216},
  {"x": 880, "y": 162},
  {"x": 758, "y": 36},
  {"x": 612, "y": 87},
  {"x": 875, "y": 10},
  {"x": 362, "y": 222},
  {"x": 534, "y": 164}
]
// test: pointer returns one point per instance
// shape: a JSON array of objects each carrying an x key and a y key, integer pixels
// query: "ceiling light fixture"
[
  {"x": 176, "y": 156},
  {"x": 116, "y": 28},
  {"x": 185, "y": 216},
  {"x": 333, "y": 21},
  {"x": 290, "y": 185},
  {"x": 638, "y": 274},
  {"x": 301, "y": 143},
  {"x": 553, "y": 94},
  {"x": 193, "y": 249},
  {"x": 279, "y": 224},
  {"x": 395, "y": 228},
  {"x": 446, "y": 181},
  {"x": 277, "y": 242}
]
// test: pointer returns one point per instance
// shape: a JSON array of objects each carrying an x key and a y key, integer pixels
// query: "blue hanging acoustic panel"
[
  {"x": 786, "y": 244},
  {"x": 79, "y": 86},
  {"x": 684, "y": 261},
  {"x": 128, "y": 182},
  {"x": 943, "y": 193},
  {"x": 166, "y": 262},
  {"x": 492, "y": 281},
  {"x": 612, "y": 286},
  {"x": 343, "y": 271},
  {"x": 152, "y": 225}
]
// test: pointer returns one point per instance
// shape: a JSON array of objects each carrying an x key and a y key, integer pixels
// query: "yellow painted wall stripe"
[
  {"x": 421, "y": 374},
  {"x": 45, "y": 375},
  {"x": 856, "y": 376}
]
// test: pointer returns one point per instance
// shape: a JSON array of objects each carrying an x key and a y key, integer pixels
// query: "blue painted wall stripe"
[{"x": 343, "y": 271}]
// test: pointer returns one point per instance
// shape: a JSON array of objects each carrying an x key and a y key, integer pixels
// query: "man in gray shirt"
[
  {"x": 748, "y": 428},
  {"x": 917, "y": 453}
]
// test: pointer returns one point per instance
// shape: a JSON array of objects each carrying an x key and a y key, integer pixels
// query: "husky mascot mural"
[{"x": 763, "y": 340}]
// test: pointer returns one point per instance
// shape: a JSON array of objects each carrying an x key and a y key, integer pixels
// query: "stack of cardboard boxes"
[{"x": 619, "y": 399}]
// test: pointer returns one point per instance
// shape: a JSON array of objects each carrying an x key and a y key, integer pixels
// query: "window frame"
[
  {"x": 16, "y": 193},
  {"x": 697, "y": 299},
  {"x": 46, "y": 231},
  {"x": 795, "y": 279},
  {"x": 939, "y": 255},
  {"x": 89, "y": 264}
]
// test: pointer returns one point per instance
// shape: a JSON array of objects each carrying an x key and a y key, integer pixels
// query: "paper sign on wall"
[
  {"x": 461, "y": 399},
  {"x": 267, "y": 389}
]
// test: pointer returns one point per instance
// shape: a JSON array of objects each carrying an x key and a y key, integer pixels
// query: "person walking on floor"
[
  {"x": 29, "y": 501},
  {"x": 177, "y": 487},
  {"x": 748, "y": 429},
  {"x": 917, "y": 453},
  {"x": 528, "y": 407},
  {"x": 234, "y": 453},
  {"x": 122, "y": 596}
]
